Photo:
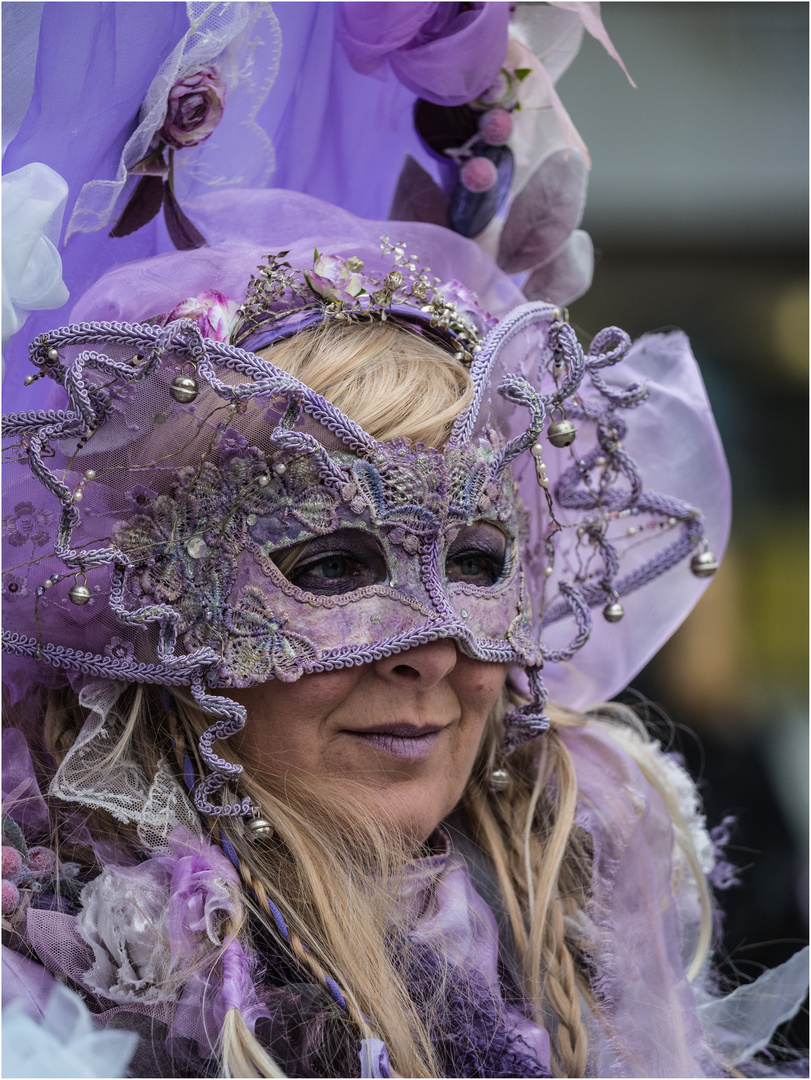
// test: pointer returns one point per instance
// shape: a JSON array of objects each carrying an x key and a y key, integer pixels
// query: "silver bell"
[
  {"x": 259, "y": 829},
  {"x": 561, "y": 433},
  {"x": 184, "y": 389},
  {"x": 704, "y": 564},
  {"x": 80, "y": 594},
  {"x": 499, "y": 780},
  {"x": 613, "y": 612}
]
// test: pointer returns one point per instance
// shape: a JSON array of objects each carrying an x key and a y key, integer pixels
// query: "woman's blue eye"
[
  {"x": 338, "y": 563},
  {"x": 477, "y": 555},
  {"x": 474, "y": 567},
  {"x": 336, "y": 566}
]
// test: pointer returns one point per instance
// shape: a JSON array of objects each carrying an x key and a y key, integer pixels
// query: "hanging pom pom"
[
  {"x": 479, "y": 174},
  {"x": 496, "y": 126}
]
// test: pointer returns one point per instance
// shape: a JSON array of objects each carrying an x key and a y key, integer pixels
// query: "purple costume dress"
[{"x": 280, "y": 144}]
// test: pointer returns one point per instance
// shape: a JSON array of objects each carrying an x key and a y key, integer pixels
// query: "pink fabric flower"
[
  {"x": 212, "y": 311},
  {"x": 331, "y": 278},
  {"x": 194, "y": 108}
]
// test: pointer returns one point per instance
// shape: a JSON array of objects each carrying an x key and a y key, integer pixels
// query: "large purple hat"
[{"x": 162, "y": 513}]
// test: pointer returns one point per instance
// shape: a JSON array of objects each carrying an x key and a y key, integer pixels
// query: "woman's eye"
[
  {"x": 330, "y": 569},
  {"x": 334, "y": 564},
  {"x": 474, "y": 567},
  {"x": 477, "y": 555}
]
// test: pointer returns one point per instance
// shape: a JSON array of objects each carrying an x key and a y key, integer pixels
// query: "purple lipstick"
[{"x": 406, "y": 741}]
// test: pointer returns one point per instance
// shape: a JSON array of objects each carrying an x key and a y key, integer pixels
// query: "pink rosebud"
[
  {"x": 496, "y": 126},
  {"x": 332, "y": 279},
  {"x": 41, "y": 862},
  {"x": 11, "y": 897},
  {"x": 12, "y": 862},
  {"x": 479, "y": 174},
  {"x": 194, "y": 108},
  {"x": 212, "y": 312}
]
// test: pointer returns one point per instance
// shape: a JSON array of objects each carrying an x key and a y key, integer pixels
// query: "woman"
[
  {"x": 297, "y": 579},
  {"x": 296, "y": 548}
]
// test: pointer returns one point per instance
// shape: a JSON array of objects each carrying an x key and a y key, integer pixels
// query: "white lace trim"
[{"x": 88, "y": 777}]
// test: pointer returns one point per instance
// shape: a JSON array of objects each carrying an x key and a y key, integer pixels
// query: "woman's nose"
[{"x": 423, "y": 666}]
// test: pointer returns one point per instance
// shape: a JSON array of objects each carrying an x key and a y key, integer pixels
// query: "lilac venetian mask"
[
  {"x": 254, "y": 532},
  {"x": 285, "y": 558}
]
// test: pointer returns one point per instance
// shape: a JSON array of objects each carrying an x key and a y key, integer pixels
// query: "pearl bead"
[
  {"x": 90, "y": 474},
  {"x": 280, "y": 469},
  {"x": 263, "y": 480},
  {"x": 77, "y": 496}
]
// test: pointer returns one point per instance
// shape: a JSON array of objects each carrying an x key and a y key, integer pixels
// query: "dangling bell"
[
  {"x": 499, "y": 780},
  {"x": 259, "y": 829},
  {"x": 561, "y": 433},
  {"x": 704, "y": 564},
  {"x": 613, "y": 612},
  {"x": 80, "y": 594},
  {"x": 184, "y": 389}
]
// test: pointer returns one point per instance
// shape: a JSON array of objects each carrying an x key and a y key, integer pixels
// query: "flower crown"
[{"x": 281, "y": 298}]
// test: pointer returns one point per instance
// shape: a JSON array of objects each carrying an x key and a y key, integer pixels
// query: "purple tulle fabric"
[{"x": 447, "y": 53}]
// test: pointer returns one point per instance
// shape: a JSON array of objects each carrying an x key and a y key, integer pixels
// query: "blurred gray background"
[{"x": 698, "y": 208}]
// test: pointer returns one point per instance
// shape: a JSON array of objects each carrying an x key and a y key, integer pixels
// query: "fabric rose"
[
  {"x": 333, "y": 279},
  {"x": 204, "y": 892},
  {"x": 212, "y": 312},
  {"x": 194, "y": 108},
  {"x": 121, "y": 910},
  {"x": 144, "y": 922}
]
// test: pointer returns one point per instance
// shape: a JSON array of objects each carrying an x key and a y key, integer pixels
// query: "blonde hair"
[{"x": 332, "y": 872}]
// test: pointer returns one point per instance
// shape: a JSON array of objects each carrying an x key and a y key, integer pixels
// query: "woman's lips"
[{"x": 401, "y": 740}]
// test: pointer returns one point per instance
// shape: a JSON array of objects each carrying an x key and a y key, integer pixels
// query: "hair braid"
[{"x": 562, "y": 993}]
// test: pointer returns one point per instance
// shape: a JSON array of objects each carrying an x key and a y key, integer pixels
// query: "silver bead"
[
  {"x": 80, "y": 595},
  {"x": 184, "y": 389},
  {"x": 704, "y": 564},
  {"x": 250, "y": 519},
  {"x": 561, "y": 433},
  {"x": 259, "y": 829},
  {"x": 499, "y": 780},
  {"x": 197, "y": 547},
  {"x": 53, "y": 355},
  {"x": 613, "y": 612}
]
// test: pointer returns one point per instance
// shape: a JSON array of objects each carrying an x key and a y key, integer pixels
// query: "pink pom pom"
[
  {"x": 496, "y": 126},
  {"x": 11, "y": 897},
  {"x": 478, "y": 174},
  {"x": 12, "y": 862},
  {"x": 41, "y": 861}
]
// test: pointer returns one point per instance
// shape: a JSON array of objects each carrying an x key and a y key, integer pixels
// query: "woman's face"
[{"x": 402, "y": 732}]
